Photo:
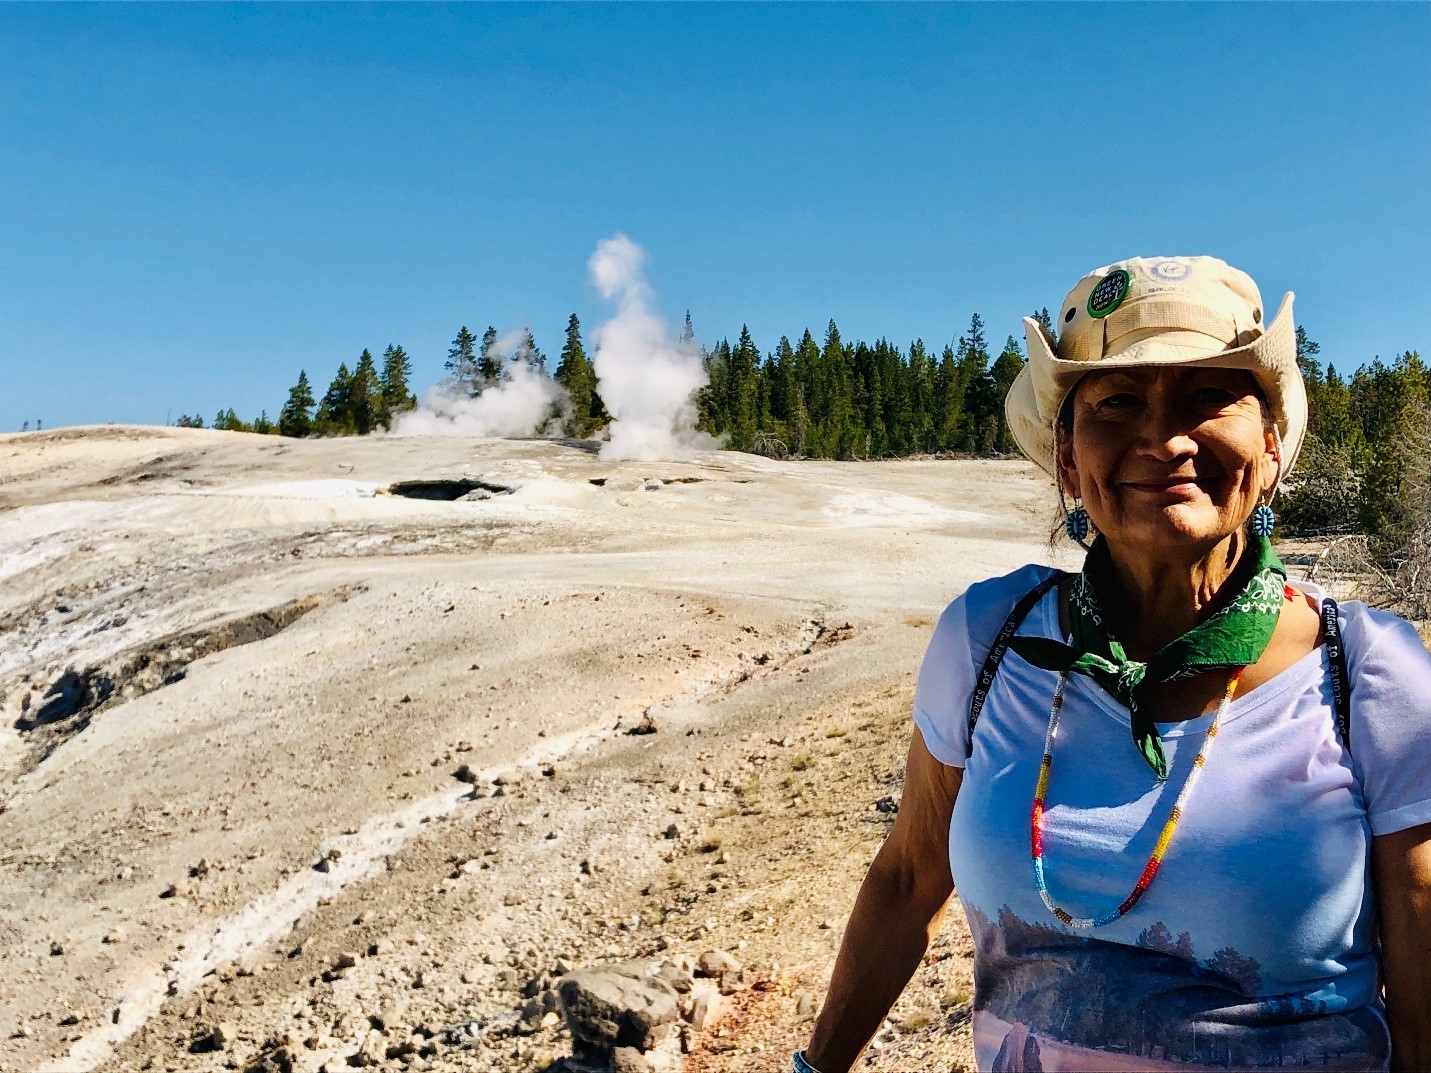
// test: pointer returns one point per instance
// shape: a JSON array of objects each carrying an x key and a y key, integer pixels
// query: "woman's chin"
[{"x": 1175, "y": 525}]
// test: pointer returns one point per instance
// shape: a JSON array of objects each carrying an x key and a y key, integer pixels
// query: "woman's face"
[{"x": 1168, "y": 456}]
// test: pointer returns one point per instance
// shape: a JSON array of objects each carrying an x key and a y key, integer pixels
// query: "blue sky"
[{"x": 196, "y": 201}]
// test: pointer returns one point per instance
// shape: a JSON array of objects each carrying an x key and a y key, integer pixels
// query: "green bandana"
[{"x": 1235, "y": 636}]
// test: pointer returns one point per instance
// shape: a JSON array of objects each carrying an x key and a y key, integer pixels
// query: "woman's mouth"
[{"x": 1175, "y": 486}]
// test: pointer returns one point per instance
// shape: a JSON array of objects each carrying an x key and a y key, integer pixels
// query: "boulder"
[
  {"x": 716, "y": 963},
  {"x": 629, "y": 1060},
  {"x": 705, "y": 1006},
  {"x": 613, "y": 1006}
]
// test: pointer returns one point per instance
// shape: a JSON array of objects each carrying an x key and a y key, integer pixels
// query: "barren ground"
[{"x": 237, "y": 687}]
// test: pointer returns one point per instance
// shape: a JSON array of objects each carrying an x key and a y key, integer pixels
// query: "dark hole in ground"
[{"x": 460, "y": 488}]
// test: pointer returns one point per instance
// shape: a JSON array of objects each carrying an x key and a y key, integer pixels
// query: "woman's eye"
[
  {"x": 1216, "y": 397},
  {"x": 1122, "y": 400}
]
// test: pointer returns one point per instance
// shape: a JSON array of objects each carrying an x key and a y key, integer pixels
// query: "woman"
[{"x": 1177, "y": 844}]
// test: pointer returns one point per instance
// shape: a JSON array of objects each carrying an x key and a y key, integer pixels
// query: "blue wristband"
[{"x": 800, "y": 1065}]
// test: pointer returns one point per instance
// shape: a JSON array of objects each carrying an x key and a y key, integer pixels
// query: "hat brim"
[{"x": 1038, "y": 392}]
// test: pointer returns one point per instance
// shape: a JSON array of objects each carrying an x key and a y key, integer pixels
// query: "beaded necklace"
[{"x": 1159, "y": 850}]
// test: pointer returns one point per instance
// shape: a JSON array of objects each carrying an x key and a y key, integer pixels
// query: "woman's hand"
[
  {"x": 1401, "y": 871},
  {"x": 896, "y": 914}
]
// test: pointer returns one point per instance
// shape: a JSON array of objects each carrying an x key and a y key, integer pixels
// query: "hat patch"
[
  {"x": 1109, "y": 293},
  {"x": 1172, "y": 271}
]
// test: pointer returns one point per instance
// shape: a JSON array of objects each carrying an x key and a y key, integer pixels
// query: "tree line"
[
  {"x": 357, "y": 402},
  {"x": 1364, "y": 465}
]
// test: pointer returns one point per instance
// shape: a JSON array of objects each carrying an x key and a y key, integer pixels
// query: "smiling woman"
[{"x": 1249, "y": 883}]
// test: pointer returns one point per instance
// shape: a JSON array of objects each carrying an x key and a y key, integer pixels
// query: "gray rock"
[
  {"x": 705, "y": 1006},
  {"x": 805, "y": 1004},
  {"x": 731, "y": 982},
  {"x": 672, "y": 975},
  {"x": 716, "y": 963},
  {"x": 612, "y": 1006},
  {"x": 629, "y": 1060}
]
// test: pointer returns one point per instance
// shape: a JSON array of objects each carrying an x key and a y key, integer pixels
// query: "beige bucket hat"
[{"x": 1158, "y": 311}]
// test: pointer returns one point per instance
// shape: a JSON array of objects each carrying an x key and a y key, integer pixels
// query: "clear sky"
[{"x": 196, "y": 201}]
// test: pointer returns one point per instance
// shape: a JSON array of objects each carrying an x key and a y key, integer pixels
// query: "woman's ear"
[
  {"x": 1063, "y": 457},
  {"x": 1271, "y": 460}
]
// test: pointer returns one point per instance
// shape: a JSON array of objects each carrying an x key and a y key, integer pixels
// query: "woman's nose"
[{"x": 1166, "y": 432}]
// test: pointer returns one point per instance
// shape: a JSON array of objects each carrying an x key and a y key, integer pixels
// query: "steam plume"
[
  {"x": 521, "y": 401},
  {"x": 647, "y": 379}
]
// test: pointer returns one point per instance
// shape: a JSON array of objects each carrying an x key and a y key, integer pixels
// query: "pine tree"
[
  {"x": 335, "y": 411},
  {"x": 921, "y": 398},
  {"x": 527, "y": 351},
  {"x": 688, "y": 331},
  {"x": 296, "y": 417},
  {"x": 489, "y": 362},
  {"x": 978, "y": 428},
  {"x": 366, "y": 395},
  {"x": 574, "y": 372},
  {"x": 461, "y": 363},
  {"x": 262, "y": 425},
  {"x": 742, "y": 391},
  {"x": 1046, "y": 321},
  {"x": 1006, "y": 367},
  {"x": 229, "y": 421},
  {"x": 393, "y": 383},
  {"x": 948, "y": 402},
  {"x": 185, "y": 421},
  {"x": 1306, "y": 358}
]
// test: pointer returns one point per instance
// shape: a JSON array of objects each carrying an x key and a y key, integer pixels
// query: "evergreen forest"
[{"x": 1365, "y": 466}]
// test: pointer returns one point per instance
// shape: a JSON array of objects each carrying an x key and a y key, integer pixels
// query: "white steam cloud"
[
  {"x": 647, "y": 379},
  {"x": 521, "y": 401}
]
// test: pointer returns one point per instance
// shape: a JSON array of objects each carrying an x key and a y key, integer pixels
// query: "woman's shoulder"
[
  {"x": 982, "y": 608},
  {"x": 961, "y": 640},
  {"x": 1389, "y": 669},
  {"x": 1376, "y": 640}
]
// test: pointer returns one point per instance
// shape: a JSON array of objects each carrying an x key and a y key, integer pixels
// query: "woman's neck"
[{"x": 1161, "y": 595}]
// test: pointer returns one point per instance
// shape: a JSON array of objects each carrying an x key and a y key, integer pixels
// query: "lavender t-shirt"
[{"x": 1256, "y": 944}]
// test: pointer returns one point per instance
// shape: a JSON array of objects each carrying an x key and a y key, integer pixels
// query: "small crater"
[{"x": 465, "y": 488}]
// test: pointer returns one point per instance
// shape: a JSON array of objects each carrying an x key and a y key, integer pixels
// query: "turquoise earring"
[
  {"x": 1075, "y": 524},
  {"x": 1263, "y": 521}
]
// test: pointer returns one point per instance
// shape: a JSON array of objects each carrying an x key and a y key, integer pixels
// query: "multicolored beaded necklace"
[{"x": 1150, "y": 870}]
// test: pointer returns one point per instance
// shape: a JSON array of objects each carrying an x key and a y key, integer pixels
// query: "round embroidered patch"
[
  {"x": 1109, "y": 293},
  {"x": 1172, "y": 271}
]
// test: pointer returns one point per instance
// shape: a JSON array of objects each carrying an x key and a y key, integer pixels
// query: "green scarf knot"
[{"x": 1235, "y": 635}]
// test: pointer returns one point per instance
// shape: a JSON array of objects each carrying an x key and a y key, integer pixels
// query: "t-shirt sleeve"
[
  {"x": 1391, "y": 721},
  {"x": 944, "y": 686}
]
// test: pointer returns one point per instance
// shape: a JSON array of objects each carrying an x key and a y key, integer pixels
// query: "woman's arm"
[
  {"x": 896, "y": 913},
  {"x": 1401, "y": 871}
]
